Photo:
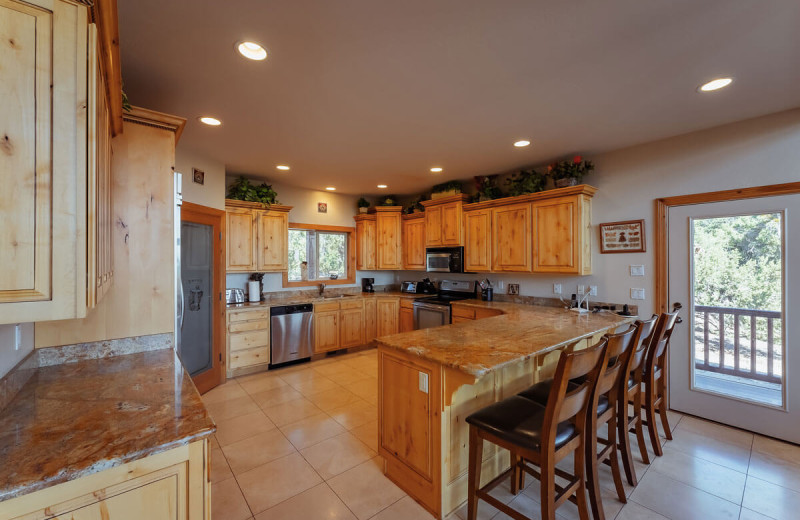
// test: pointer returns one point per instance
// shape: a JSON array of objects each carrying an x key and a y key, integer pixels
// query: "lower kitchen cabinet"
[
  {"x": 461, "y": 313},
  {"x": 370, "y": 320},
  {"x": 248, "y": 340},
  {"x": 326, "y": 326},
  {"x": 406, "y": 315},
  {"x": 388, "y": 316},
  {"x": 351, "y": 323}
]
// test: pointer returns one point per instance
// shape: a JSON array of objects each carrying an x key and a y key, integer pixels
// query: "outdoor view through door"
[{"x": 738, "y": 340}]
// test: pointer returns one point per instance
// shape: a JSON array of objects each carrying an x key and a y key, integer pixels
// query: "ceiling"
[{"x": 357, "y": 93}]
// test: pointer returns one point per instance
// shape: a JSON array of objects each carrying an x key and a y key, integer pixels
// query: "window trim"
[{"x": 351, "y": 256}]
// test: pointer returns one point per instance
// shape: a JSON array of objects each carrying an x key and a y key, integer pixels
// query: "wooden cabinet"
[
  {"x": 388, "y": 232},
  {"x": 511, "y": 238},
  {"x": 366, "y": 242},
  {"x": 460, "y": 312},
  {"x": 562, "y": 235},
  {"x": 351, "y": 323},
  {"x": 370, "y": 320},
  {"x": 338, "y": 325},
  {"x": 414, "y": 242},
  {"x": 387, "y": 312},
  {"x": 248, "y": 340},
  {"x": 257, "y": 239},
  {"x": 44, "y": 118},
  {"x": 478, "y": 240},
  {"x": 406, "y": 315},
  {"x": 326, "y": 326},
  {"x": 443, "y": 221}
]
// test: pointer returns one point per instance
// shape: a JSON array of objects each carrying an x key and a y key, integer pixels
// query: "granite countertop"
[
  {"x": 75, "y": 419},
  {"x": 293, "y": 300},
  {"x": 481, "y": 346}
]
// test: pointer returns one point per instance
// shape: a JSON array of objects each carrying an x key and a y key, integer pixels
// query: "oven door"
[
  {"x": 429, "y": 315},
  {"x": 438, "y": 262}
]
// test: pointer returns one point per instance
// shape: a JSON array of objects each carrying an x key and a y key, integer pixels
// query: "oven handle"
[{"x": 430, "y": 306}]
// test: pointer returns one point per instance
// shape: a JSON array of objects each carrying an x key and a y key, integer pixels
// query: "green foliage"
[
  {"x": 363, "y": 203},
  {"x": 416, "y": 205},
  {"x": 388, "y": 200},
  {"x": 241, "y": 189},
  {"x": 447, "y": 186},
  {"x": 524, "y": 182},
  {"x": 576, "y": 169},
  {"x": 487, "y": 189}
]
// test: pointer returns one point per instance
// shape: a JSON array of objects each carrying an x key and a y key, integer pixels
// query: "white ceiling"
[{"x": 361, "y": 92}]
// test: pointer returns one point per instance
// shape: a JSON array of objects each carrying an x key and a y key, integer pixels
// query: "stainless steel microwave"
[{"x": 444, "y": 259}]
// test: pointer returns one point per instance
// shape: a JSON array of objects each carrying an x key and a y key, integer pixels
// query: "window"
[{"x": 319, "y": 254}]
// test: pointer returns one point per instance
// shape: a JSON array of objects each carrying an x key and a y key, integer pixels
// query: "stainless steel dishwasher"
[{"x": 292, "y": 333}]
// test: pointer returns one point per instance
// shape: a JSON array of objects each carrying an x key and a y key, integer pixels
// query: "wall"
[
  {"x": 756, "y": 152},
  {"x": 212, "y": 192},
  {"x": 9, "y": 356}
]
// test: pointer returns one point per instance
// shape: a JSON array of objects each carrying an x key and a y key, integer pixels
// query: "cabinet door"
[
  {"x": 388, "y": 313},
  {"x": 370, "y": 320},
  {"x": 273, "y": 241},
  {"x": 478, "y": 240},
  {"x": 511, "y": 229},
  {"x": 352, "y": 328},
  {"x": 406, "y": 320},
  {"x": 451, "y": 224},
  {"x": 158, "y": 500},
  {"x": 562, "y": 238},
  {"x": 326, "y": 331},
  {"x": 414, "y": 244},
  {"x": 433, "y": 226},
  {"x": 241, "y": 240},
  {"x": 389, "y": 245},
  {"x": 43, "y": 160},
  {"x": 365, "y": 245}
]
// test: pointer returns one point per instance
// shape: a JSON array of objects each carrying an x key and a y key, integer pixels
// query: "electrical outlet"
[
  {"x": 423, "y": 382},
  {"x": 513, "y": 288},
  {"x": 17, "y": 336},
  {"x": 637, "y": 270},
  {"x": 556, "y": 288},
  {"x": 581, "y": 289},
  {"x": 500, "y": 285},
  {"x": 637, "y": 294},
  {"x": 593, "y": 290}
]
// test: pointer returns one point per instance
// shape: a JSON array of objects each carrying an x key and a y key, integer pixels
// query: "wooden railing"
[{"x": 705, "y": 316}]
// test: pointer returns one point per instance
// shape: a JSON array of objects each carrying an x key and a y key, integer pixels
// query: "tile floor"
[{"x": 301, "y": 443}]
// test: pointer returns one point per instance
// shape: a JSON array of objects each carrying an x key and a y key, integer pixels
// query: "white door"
[{"x": 735, "y": 267}]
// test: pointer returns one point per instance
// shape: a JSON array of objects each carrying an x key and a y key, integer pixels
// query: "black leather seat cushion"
[{"x": 519, "y": 421}]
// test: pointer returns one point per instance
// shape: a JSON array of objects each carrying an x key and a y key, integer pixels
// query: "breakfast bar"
[{"x": 430, "y": 380}]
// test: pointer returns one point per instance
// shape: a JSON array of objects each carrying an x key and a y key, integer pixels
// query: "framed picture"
[
  {"x": 322, "y": 207},
  {"x": 198, "y": 176},
  {"x": 622, "y": 237}
]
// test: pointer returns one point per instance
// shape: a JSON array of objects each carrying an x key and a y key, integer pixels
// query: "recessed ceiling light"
[
  {"x": 382, "y": 186},
  {"x": 330, "y": 188},
  {"x": 520, "y": 144},
  {"x": 282, "y": 167},
  {"x": 436, "y": 169},
  {"x": 210, "y": 121},
  {"x": 716, "y": 84},
  {"x": 252, "y": 51}
]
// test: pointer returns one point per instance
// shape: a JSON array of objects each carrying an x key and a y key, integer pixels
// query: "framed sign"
[
  {"x": 198, "y": 176},
  {"x": 622, "y": 237},
  {"x": 322, "y": 207}
]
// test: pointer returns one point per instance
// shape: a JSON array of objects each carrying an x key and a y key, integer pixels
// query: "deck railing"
[{"x": 712, "y": 331}]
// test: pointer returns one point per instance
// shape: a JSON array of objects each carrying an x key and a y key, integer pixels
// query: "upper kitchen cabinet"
[
  {"x": 562, "y": 238},
  {"x": 511, "y": 233},
  {"x": 388, "y": 230},
  {"x": 366, "y": 242},
  {"x": 48, "y": 57},
  {"x": 414, "y": 242},
  {"x": 443, "y": 221},
  {"x": 257, "y": 238},
  {"x": 478, "y": 240}
]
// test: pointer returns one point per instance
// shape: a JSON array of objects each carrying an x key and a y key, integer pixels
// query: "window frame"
[{"x": 350, "y": 233}]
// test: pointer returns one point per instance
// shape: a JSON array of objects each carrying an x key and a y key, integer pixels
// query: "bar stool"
[
  {"x": 630, "y": 391},
  {"x": 655, "y": 382},
  {"x": 541, "y": 435}
]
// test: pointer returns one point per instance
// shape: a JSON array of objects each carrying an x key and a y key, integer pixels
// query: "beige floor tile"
[
  {"x": 213, "y": 442},
  {"x": 718, "y": 432},
  {"x": 776, "y": 448},
  {"x": 297, "y": 376},
  {"x": 355, "y": 414},
  {"x": 708, "y": 448},
  {"x": 332, "y": 367},
  {"x": 316, "y": 385},
  {"x": 368, "y": 434},
  {"x": 404, "y": 509},
  {"x": 328, "y": 400},
  {"x": 319, "y": 502},
  {"x": 633, "y": 511},
  {"x": 261, "y": 383},
  {"x": 365, "y": 489},
  {"x": 276, "y": 481},
  {"x": 569, "y": 511},
  {"x": 228, "y": 502},
  {"x": 607, "y": 478},
  {"x": 775, "y": 470},
  {"x": 366, "y": 389},
  {"x": 311, "y": 430},
  {"x": 292, "y": 411},
  {"x": 219, "y": 466},
  {"x": 224, "y": 392},
  {"x": 677, "y": 500},
  {"x": 231, "y": 408},
  {"x": 276, "y": 396},
  {"x": 242, "y": 427},
  {"x": 702, "y": 474},
  {"x": 257, "y": 450},
  {"x": 348, "y": 376},
  {"x": 747, "y": 514},
  {"x": 771, "y": 500},
  {"x": 528, "y": 507},
  {"x": 337, "y": 454}
]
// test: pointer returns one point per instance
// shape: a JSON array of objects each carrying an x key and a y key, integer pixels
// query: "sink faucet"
[{"x": 321, "y": 288}]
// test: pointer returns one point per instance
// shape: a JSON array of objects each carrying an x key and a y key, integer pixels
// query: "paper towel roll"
[{"x": 255, "y": 291}]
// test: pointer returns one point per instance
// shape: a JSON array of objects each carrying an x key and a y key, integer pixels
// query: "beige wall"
[
  {"x": 9, "y": 355},
  {"x": 212, "y": 192}
]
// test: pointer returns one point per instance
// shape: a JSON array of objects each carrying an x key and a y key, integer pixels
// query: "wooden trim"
[
  {"x": 414, "y": 216},
  {"x": 662, "y": 206},
  {"x": 191, "y": 206},
  {"x": 388, "y": 209},
  {"x": 461, "y": 197},
  {"x": 104, "y": 14},
  {"x": 351, "y": 256},
  {"x": 146, "y": 117},
  {"x": 581, "y": 189},
  {"x": 365, "y": 216},
  {"x": 231, "y": 203}
]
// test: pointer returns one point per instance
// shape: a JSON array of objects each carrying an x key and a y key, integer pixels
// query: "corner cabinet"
[
  {"x": 257, "y": 237},
  {"x": 443, "y": 221},
  {"x": 366, "y": 242},
  {"x": 414, "y": 242}
]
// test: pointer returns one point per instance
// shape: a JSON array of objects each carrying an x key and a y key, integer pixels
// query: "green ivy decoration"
[
  {"x": 447, "y": 186},
  {"x": 525, "y": 182},
  {"x": 241, "y": 189}
]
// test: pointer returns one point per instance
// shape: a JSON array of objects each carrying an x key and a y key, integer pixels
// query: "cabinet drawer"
[
  {"x": 260, "y": 314},
  {"x": 326, "y": 307},
  {"x": 246, "y": 358},
  {"x": 463, "y": 312},
  {"x": 247, "y": 340},
  {"x": 247, "y": 326},
  {"x": 406, "y": 303},
  {"x": 353, "y": 303}
]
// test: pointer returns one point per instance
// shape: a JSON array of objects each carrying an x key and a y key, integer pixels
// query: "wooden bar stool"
[
  {"x": 541, "y": 435},
  {"x": 655, "y": 382},
  {"x": 630, "y": 392}
]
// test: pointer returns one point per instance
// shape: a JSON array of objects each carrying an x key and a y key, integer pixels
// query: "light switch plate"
[
  {"x": 556, "y": 288},
  {"x": 637, "y": 294},
  {"x": 592, "y": 290},
  {"x": 423, "y": 382},
  {"x": 637, "y": 270},
  {"x": 581, "y": 289}
]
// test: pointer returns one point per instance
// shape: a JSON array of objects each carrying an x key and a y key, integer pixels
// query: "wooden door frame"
[{"x": 216, "y": 219}]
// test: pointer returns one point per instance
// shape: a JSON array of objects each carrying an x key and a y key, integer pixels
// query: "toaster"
[{"x": 234, "y": 295}]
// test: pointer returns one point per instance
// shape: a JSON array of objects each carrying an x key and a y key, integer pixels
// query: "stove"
[{"x": 435, "y": 311}]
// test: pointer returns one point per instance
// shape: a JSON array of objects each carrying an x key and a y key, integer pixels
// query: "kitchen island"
[{"x": 430, "y": 380}]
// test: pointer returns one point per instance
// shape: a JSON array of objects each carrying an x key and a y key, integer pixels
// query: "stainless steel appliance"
[
  {"x": 445, "y": 259},
  {"x": 425, "y": 286},
  {"x": 368, "y": 285},
  {"x": 234, "y": 295},
  {"x": 435, "y": 311},
  {"x": 291, "y": 336}
]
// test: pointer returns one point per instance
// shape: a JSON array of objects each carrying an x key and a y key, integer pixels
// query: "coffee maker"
[{"x": 368, "y": 285}]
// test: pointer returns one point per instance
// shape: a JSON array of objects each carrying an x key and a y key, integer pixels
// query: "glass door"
[{"x": 731, "y": 265}]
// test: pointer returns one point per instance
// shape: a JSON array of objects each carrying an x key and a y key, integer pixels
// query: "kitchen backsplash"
[{"x": 273, "y": 282}]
